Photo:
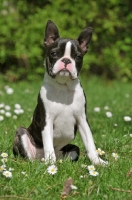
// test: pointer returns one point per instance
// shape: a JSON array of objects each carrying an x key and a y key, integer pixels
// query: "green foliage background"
[{"x": 22, "y": 24}]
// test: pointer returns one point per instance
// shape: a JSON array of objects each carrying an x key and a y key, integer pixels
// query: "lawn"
[{"x": 108, "y": 102}]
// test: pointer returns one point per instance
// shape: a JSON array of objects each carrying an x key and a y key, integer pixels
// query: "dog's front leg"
[
  {"x": 47, "y": 137},
  {"x": 88, "y": 141}
]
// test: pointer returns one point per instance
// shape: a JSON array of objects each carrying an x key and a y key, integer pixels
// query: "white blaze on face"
[
  {"x": 67, "y": 53},
  {"x": 65, "y": 72}
]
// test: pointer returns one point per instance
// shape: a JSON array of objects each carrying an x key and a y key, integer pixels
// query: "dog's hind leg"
[{"x": 24, "y": 144}]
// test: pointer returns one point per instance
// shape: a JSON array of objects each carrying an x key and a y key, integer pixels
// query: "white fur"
[{"x": 65, "y": 106}]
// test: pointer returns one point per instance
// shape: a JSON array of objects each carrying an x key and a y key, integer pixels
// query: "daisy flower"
[
  {"x": 97, "y": 109},
  {"x": 73, "y": 187},
  {"x": 127, "y": 119},
  {"x": 91, "y": 168},
  {"x": 61, "y": 161},
  {"x": 7, "y": 107},
  {"x": 4, "y": 160},
  {"x": 2, "y": 111},
  {"x": 14, "y": 117},
  {"x": 106, "y": 108},
  {"x": 11, "y": 169},
  {"x": 109, "y": 114},
  {"x": 8, "y": 114},
  {"x": 18, "y": 111},
  {"x": 9, "y": 90},
  {"x": 42, "y": 159},
  {"x": 93, "y": 173},
  {"x": 17, "y": 106},
  {"x": 4, "y": 155},
  {"x": 83, "y": 165},
  {"x": 2, "y": 168},
  {"x": 52, "y": 169},
  {"x": 100, "y": 152},
  {"x": 7, "y": 174},
  {"x": 24, "y": 173},
  {"x": 2, "y": 105},
  {"x": 115, "y": 155},
  {"x": 1, "y": 118},
  {"x": 21, "y": 111}
]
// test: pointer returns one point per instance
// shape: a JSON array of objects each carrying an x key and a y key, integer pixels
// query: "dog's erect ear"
[
  {"x": 84, "y": 39},
  {"x": 51, "y": 33}
]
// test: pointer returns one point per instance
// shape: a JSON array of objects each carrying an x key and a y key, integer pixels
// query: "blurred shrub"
[{"x": 22, "y": 28}]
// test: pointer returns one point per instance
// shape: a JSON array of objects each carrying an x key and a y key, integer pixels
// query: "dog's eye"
[
  {"x": 78, "y": 57},
  {"x": 53, "y": 54}
]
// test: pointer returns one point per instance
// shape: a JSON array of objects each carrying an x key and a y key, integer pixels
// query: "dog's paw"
[
  {"x": 95, "y": 159},
  {"x": 99, "y": 161},
  {"x": 50, "y": 158}
]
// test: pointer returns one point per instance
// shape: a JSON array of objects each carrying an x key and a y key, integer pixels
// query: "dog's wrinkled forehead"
[{"x": 66, "y": 47}]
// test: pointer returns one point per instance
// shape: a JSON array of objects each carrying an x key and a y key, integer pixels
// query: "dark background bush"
[{"x": 22, "y": 24}]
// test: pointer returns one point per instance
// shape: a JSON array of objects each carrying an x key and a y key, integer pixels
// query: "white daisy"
[
  {"x": 24, "y": 173},
  {"x": 100, "y": 152},
  {"x": 17, "y": 106},
  {"x": 2, "y": 111},
  {"x": 2, "y": 168},
  {"x": 97, "y": 109},
  {"x": 91, "y": 168},
  {"x": 2, "y": 105},
  {"x": 1, "y": 118},
  {"x": 42, "y": 159},
  {"x": 106, "y": 108},
  {"x": 14, "y": 117},
  {"x": 4, "y": 160},
  {"x": 7, "y": 107},
  {"x": 4, "y": 155},
  {"x": 93, "y": 173},
  {"x": 73, "y": 187},
  {"x": 127, "y": 119},
  {"x": 115, "y": 155},
  {"x": 6, "y": 87},
  {"x": 83, "y": 165},
  {"x": 7, "y": 174},
  {"x": 61, "y": 161},
  {"x": 8, "y": 114},
  {"x": 9, "y": 90},
  {"x": 16, "y": 111},
  {"x": 21, "y": 111},
  {"x": 11, "y": 169},
  {"x": 52, "y": 169},
  {"x": 109, "y": 114}
]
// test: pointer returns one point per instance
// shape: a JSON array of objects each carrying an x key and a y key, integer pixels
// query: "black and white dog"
[{"x": 61, "y": 107}]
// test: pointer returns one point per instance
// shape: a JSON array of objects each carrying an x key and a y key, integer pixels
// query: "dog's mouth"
[{"x": 64, "y": 72}]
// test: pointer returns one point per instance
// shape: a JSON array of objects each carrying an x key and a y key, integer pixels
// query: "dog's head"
[{"x": 65, "y": 56}]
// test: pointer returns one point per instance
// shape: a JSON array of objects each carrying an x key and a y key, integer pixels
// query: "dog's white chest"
[{"x": 63, "y": 105}]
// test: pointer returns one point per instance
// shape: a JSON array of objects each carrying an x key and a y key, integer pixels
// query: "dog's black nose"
[{"x": 66, "y": 61}]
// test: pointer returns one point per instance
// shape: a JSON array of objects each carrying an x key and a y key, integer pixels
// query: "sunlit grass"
[{"x": 31, "y": 180}]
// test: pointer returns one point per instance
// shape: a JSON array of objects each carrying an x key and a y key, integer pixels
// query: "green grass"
[{"x": 112, "y": 181}]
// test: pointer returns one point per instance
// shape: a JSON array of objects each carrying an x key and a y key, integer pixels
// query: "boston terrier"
[{"x": 61, "y": 106}]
